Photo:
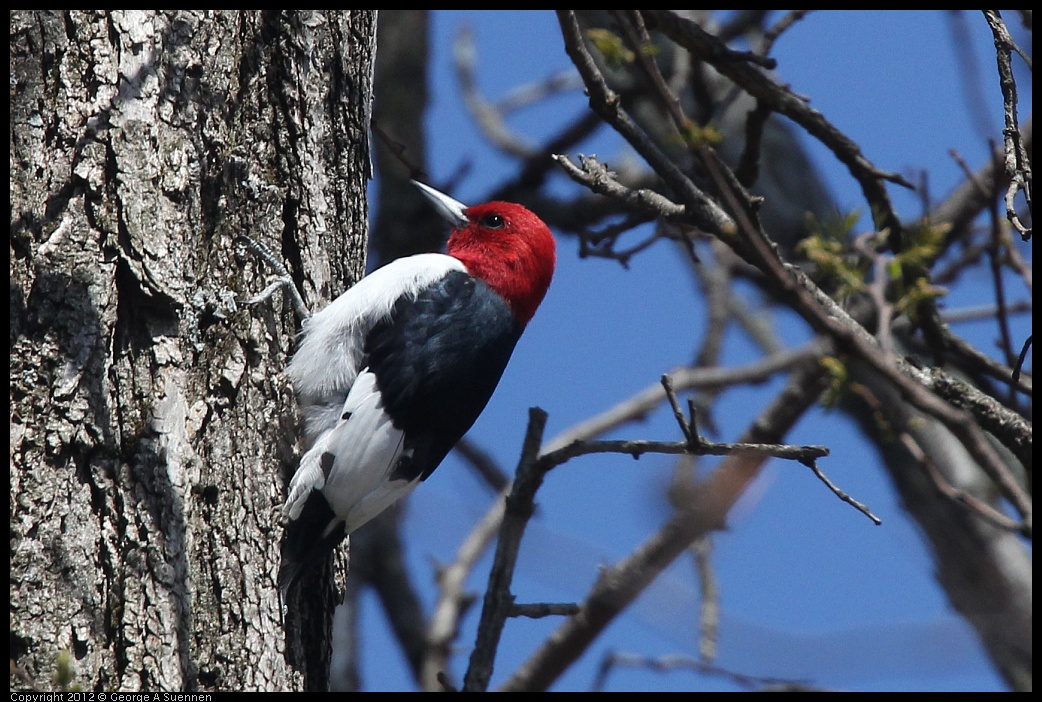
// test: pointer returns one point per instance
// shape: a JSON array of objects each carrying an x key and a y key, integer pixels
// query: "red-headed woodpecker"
[{"x": 394, "y": 372}]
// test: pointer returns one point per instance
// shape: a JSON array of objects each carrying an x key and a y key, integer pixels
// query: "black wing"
[{"x": 437, "y": 361}]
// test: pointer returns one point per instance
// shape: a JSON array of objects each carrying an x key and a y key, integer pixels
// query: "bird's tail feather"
[{"x": 307, "y": 544}]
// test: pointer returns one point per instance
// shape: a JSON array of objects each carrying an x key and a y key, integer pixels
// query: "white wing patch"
[
  {"x": 324, "y": 367},
  {"x": 352, "y": 462}
]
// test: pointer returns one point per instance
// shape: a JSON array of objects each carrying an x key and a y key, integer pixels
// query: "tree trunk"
[{"x": 151, "y": 429}]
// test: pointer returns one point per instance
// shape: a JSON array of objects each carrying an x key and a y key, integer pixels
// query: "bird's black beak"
[{"x": 451, "y": 210}]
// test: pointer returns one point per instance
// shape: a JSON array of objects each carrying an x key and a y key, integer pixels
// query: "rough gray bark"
[{"x": 150, "y": 427}]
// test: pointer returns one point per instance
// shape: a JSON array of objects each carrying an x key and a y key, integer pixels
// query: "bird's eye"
[{"x": 493, "y": 221}]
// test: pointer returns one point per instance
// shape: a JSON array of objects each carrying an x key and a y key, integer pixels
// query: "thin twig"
[
  {"x": 685, "y": 428},
  {"x": 859, "y": 506},
  {"x": 538, "y": 610},
  {"x": 664, "y": 664}
]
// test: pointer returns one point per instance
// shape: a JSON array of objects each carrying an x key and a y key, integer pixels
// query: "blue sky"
[{"x": 810, "y": 589}]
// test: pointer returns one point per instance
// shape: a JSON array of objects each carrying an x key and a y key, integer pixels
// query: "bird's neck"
[{"x": 520, "y": 276}]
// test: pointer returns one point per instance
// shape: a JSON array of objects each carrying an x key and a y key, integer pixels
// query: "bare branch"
[
  {"x": 701, "y": 209},
  {"x": 860, "y": 506},
  {"x": 1017, "y": 161},
  {"x": 538, "y": 610},
  {"x": 599, "y": 179},
  {"x": 782, "y": 25},
  {"x": 643, "y": 402},
  {"x": 498, "y": 599},
  {"x": 707, "y": 509},
  {"x": 676, "y": 662},
  {"x": 780, "y": 99}
]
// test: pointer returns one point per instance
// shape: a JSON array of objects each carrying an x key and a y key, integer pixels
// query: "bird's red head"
[
  {"x": 511, "y": 249},
  {"x": 504, "y": 244}
]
